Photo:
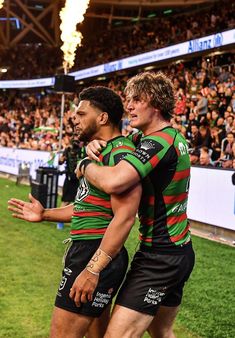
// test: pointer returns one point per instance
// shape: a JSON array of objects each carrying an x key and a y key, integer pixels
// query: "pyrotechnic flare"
[
  {"x": 1, "y": 3},
  {"x": 71, "y": 15}
]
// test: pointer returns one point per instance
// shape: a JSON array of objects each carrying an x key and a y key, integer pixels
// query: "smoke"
[{"x": 71, "y": 14}]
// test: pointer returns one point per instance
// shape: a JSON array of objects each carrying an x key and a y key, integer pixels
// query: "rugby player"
[
  {"x": 152, "y": 292},
  {"x": 95, "y": 217}
]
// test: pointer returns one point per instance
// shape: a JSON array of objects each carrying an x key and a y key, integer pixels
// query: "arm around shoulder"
[{"x": 112, "y": 180}]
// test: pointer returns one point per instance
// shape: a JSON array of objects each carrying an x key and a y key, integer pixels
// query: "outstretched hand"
[
  {"x": 93, "y": 149},
  {"x": 84, "y": 287},
  {"x": 29, "y": 211}
]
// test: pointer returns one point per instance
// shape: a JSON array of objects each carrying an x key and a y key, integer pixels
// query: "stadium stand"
[
  {"x": 113, "y": 41},
  {"x": 211, "y": 81},
  {"x": 205, "y": 95}
]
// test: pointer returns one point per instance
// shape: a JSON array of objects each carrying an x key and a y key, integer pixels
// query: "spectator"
[
  {"x": 194, "y": 155},
  {"x": 192, "y": 120},
  {"x": 226, "y": 164},
  {"x": 180, "y": 102},
  {"x": 220, "y": 124},
  {"x": 214, "y": 117},
  {"x": 227, "y": 146},
  {"x": 205, "y": 136},
  {"x": 205, "y": 157},
  {"x": 215, "y": 144},
  {"x": 195, "y": 140},
  {"x": 229, "y": 123},
  {"x": 224, "y": 75},
  {"x": 193, "y": 89},
  {"x": 213, "y": 100}
]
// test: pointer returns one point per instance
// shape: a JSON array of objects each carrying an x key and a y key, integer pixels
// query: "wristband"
[
  {"x": 98, "y": 262},
  {"x": 93, "y": 272},
  {"x": 83, "y": 164}
]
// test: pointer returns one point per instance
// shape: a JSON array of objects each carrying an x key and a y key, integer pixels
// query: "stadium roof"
[{"x": 37, "y": 21}]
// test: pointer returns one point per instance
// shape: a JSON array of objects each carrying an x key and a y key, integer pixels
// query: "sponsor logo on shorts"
[
  {"x": 62, "y": 283},
  {"x": 67, "y": 271},
  {"x": 153, "y": 296},
  {"x": 101, "y": 299}
]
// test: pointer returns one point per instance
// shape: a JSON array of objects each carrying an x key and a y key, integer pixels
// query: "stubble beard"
[{"x": 87, "y": 134}]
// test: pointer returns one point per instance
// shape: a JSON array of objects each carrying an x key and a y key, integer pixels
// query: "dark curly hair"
[
  {"x": 155, "y": 87},
  {"x": 106, "y": 100}
]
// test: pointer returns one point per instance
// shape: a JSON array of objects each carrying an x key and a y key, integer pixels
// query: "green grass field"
[{"x": 30, "y": 263}]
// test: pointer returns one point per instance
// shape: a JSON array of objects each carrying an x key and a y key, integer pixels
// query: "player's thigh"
[
  {"x": 99, "y": 325},
  {"x": 65, "y": 324},
  {"x": 127, "y": 323},
  {"x": 162, "y": 324}
]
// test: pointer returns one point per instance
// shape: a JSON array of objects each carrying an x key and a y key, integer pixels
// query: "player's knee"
[
  {"x": 131, "y": 332},
  {"x": 163, "y": 332}
]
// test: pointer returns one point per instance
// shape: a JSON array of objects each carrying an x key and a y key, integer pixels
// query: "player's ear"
[
  {"x": 157, "y": 111},
  {"x": 103, "y": 118}
]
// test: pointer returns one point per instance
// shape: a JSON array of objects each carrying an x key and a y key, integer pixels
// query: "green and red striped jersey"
[
  {"x": 163, "y": 163},
  {"x": 92, "y": 211}
]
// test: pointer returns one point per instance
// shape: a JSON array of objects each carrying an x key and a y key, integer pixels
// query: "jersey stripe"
[
  {"x": 98, "y": 201},
  {"x": 179, "y": 175},
  {"x": 145, "y": 239},
  {"x": 168, "y": 138},
  {"x": 149, "y": 199},
  {"x": 122, "y": 147},
  {"x": 175, "y": 198},
  {"x": 146, "y": 221},
  {"x": 88, "y": 231},
  {"x": 154, "y": 161},
  {"x": 176, "y": 219},
  {"x": 180, "y": 236},
  {"x": 91, "y": 214}
]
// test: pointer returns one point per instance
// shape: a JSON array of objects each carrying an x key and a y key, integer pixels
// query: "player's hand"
[
  {"x": 83, "y": 287},
  {"x": 81, "y": 165},
  {"x": 29, "y": 211},
  {"x": 93, "y": 149}
]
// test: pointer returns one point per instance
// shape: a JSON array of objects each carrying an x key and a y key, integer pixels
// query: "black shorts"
[
  {"x": 156, "y": 279},
  {"x": 69, "y": 190},
  {"x": 109, "y": 282}
]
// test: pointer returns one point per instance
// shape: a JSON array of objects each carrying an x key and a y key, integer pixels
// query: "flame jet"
[{"x": 71, "y": 14}]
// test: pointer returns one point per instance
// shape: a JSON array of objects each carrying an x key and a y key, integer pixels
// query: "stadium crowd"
[
  {"x": 204, "y": 112},
  {"x": 205, "y": 87},
  {"x": 118, "y": 41},
  {"x": 159, "y": 32}
]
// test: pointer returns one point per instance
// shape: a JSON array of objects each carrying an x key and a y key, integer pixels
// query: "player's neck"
[
  {"x": 108, "y": 133},
  {"x": 155, "y": 128}
]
